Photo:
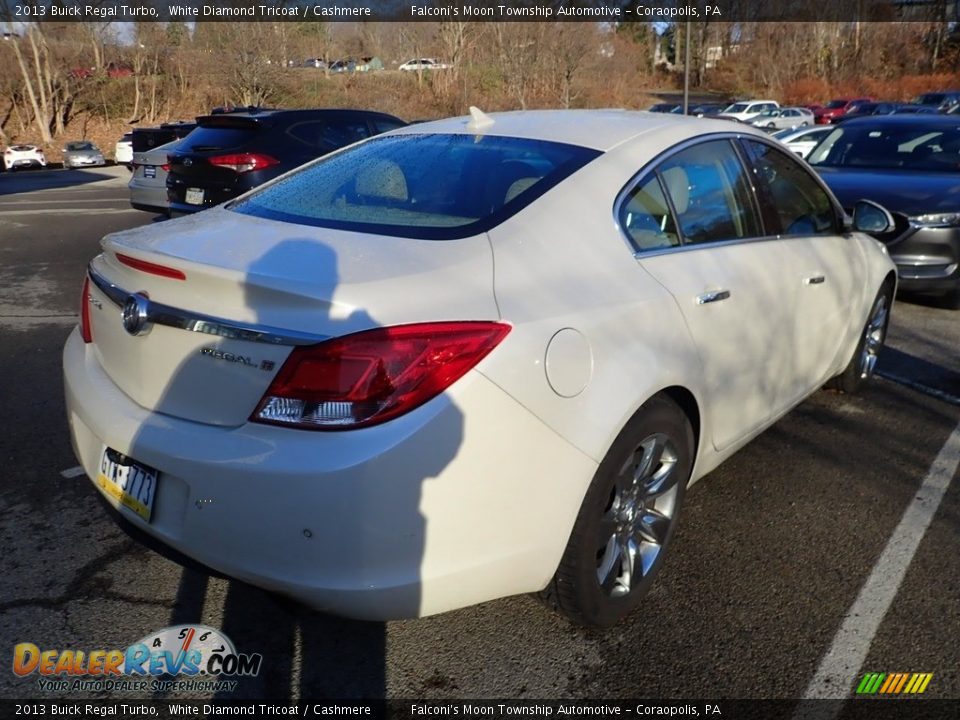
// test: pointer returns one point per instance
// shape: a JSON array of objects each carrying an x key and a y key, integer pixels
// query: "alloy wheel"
[
  {"x": 637, "y": 520},
  {"x": 873, "y": 337}
]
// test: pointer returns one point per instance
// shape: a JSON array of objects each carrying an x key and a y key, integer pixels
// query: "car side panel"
[{"x": 563, "y": 264}]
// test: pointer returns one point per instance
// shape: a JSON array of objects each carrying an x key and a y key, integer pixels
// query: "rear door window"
[
  {"x": 646, "y": 218},
  {"x": 710, "y": 193}
]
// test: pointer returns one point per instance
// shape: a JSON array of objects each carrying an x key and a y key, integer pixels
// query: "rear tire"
[
  {"x": 627, "y": 519},
  {"x": 863, "y": 363}
]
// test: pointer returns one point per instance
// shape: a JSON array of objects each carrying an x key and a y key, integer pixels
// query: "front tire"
[
  {"x": 627, "y": 519},
  {"x": 864, "y": 361}
]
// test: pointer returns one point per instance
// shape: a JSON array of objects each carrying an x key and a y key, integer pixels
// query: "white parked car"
[
  {"x": 802, "y": 140},
  {"x": 782, "y": 118},
  {"x": 123, "y": 151},
  {"x": 324, "y": 389},
  {"x": 423, "y": 64},
  {"x": 747, "y": 110},
  {"x": 21, "y": 156}
]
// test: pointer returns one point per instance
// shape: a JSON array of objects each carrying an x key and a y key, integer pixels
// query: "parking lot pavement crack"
[{"x": 84, "y": 584}]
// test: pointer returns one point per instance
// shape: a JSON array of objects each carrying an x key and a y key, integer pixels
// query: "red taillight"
[
  {"x": 152, "y": 268},
  {"x": 243, "y": 162},
  {"x": 165, "y": 167},
  {"x": 373, "y": 376},
  {"x": 85, "y": 330}
]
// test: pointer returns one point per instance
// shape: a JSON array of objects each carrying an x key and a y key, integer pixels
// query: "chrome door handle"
[
  {"x": 815, "y": 280},
  {"x": 712, "y": 296}
]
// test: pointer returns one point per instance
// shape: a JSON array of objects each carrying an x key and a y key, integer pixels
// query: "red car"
[{"x": 836, "y": 108}]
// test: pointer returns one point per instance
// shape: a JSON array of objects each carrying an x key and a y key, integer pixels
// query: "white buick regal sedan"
[{"x": 469, "y": 358}]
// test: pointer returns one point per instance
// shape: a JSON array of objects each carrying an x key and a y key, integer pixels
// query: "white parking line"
[
  {"x": 72, "y": 211},
  {"x": 19, "y": 203},
  {"x": 73, "y": 472},
  {"x": 843, "y": 661}
]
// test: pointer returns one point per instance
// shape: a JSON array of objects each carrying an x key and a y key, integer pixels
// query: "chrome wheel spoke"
[
  {"x": 626, "y": 554},
  {"x": 653, "y": 527},
  {"x": 650, "y": 453},
  {"x": 608, "y": 572}
]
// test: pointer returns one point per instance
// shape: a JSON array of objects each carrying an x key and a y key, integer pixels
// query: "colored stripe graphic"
[{"x": 894, "y": 683}]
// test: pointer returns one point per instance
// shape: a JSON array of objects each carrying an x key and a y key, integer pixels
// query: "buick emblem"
[{"x": 136, "y": 309}]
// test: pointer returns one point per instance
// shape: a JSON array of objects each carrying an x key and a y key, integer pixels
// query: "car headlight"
[{"x": 937, "y": 220}]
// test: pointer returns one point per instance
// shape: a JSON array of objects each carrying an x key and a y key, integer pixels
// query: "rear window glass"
[
  {"x": 420, "y": 186},
  {"x": 219, "y": 138}
]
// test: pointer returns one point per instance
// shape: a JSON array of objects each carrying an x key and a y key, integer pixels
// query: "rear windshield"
[
  {"x": 420, "y": 186},
  {"x": 81, "y": 146},
  {"x": 918, "y": 147},
  {"x": 219, "y": 138}
]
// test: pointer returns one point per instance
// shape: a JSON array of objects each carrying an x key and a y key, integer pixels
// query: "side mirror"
[{"x": 871, "y": 218}]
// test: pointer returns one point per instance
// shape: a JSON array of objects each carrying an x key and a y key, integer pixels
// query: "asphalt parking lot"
[{"x": 771, "y": 560}]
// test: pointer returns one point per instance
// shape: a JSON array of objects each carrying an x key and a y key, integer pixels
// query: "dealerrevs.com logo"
[{"x": 182, "y": 657}]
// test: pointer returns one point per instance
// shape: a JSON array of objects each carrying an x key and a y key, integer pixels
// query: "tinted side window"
[
  {"x": 329, "y": 135},
  {"x": 800, "y": 204},
  {"x": 710, "y": 193},
  {"x": 382, "y": 126}
]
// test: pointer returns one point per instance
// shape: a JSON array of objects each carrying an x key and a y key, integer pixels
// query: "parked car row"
[
  {"x": 368, "y": 64},
  {"x": 364, "y": 64},
  {"x": 768, "y": 114}
]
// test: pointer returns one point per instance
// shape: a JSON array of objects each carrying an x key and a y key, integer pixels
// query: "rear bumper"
[
  {"x": 14, "y": 164},
  {"x": 84, "y": 162},
  {"x": 466, "y": 499},
  {"x": 152, "y": 198}
]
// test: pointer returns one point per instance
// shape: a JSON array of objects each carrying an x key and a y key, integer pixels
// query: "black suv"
[
  {"x": 145, "y": 139},
  {"x": 228, "y": 154}
]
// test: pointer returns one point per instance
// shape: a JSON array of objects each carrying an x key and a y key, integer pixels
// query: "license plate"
[
  {"x": 194, "y": 196},
  {"x": 149, "y": 171},
  {"x": 128, "y": 482}
]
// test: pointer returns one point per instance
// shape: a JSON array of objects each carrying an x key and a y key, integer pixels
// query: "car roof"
[
  {"x": 281, "y": 113},
  {"x": 597, "y": 129},
  {"x": 906, "y": 120}
]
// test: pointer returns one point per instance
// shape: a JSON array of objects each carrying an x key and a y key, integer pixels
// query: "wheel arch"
[{"x": 688, "y": 403}]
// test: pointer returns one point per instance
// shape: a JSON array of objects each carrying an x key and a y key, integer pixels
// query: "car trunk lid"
[{"x": 242, "y": 276}]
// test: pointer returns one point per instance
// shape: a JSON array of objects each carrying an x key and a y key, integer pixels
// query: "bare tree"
[{"x": 518, "y": 57}]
